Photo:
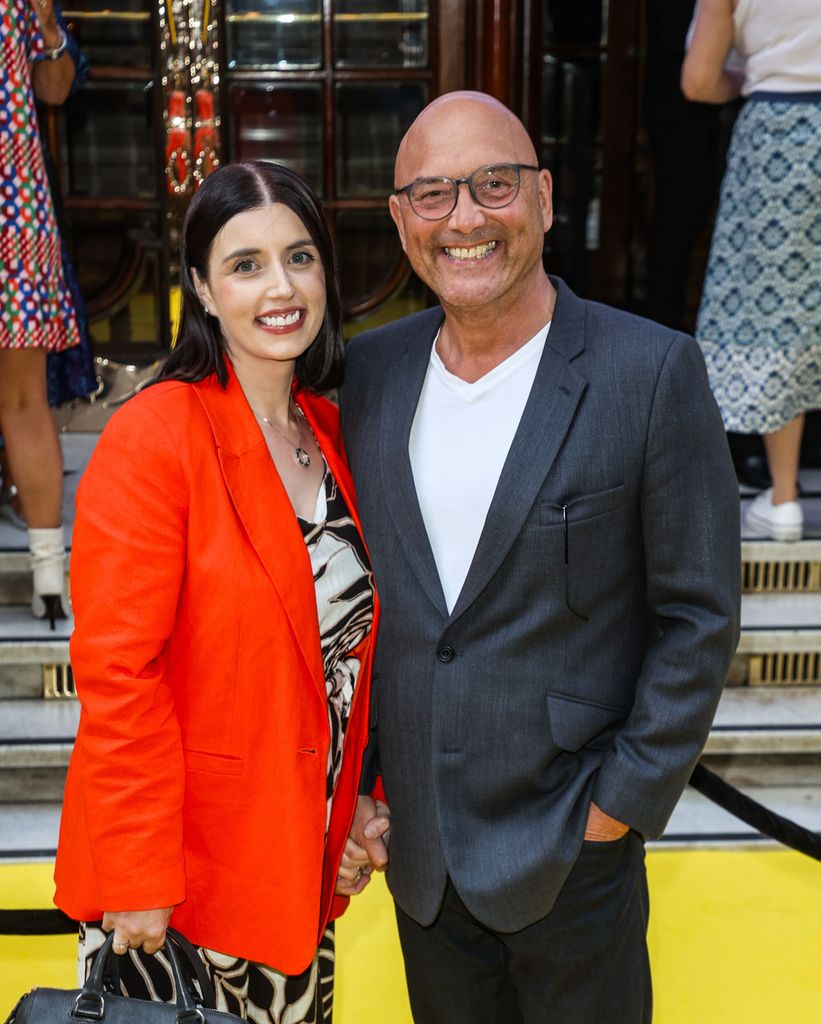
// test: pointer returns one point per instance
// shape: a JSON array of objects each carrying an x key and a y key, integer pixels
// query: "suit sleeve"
[
  {"x": 127, "y": 563},
  {"x": 689, "y": 512}
]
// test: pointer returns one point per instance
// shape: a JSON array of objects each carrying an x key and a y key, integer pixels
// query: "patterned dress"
[
  {"x": 35, "y": 306},
  {"x": 759, "y": 324},
  {"x": 344, "y": 598}
]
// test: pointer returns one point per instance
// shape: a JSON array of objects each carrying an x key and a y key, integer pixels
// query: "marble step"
[
  {"x": 696, "y": 821},
  {"x": 29, "y": 831},
  {"x": 31, "y": 655},
  {"x": 36, "y": 739},
  {"x": 775, "y": 721}
]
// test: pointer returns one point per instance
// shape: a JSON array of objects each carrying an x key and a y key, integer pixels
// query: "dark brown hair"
[{"x": 200, "y": 348}]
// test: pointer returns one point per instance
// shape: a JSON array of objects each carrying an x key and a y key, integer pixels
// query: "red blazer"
[{"x": 199, "y": 772}]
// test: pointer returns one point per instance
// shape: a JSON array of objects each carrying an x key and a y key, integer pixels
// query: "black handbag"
[{"x": 92, "y": 1004}]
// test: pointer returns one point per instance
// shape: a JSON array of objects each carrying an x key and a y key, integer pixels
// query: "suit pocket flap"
[
  {"x": 575, "y": 722},
  {"x": 216, "y": 764}
]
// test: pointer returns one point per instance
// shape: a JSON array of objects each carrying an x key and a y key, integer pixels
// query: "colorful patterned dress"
[{"x": 35, "y": 306}]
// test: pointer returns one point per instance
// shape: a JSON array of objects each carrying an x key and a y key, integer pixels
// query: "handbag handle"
[{"x": 90, "y": 1002}]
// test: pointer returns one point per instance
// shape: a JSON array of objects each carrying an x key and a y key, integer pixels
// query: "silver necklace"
[{"x": 300, "y": 455}]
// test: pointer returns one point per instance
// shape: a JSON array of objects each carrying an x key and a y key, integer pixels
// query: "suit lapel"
[
  {"x": 548, "y": 414},
  {"x": 265, "y": 510},
  {"x": 399, "y": 400}
]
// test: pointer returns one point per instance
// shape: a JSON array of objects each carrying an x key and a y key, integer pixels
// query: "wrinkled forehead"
[{"x": 456, "y": 138}]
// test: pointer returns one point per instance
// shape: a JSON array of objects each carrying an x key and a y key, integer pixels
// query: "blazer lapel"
[
  {"x": 400, "y": 397},
  {"x": 265, "y": 510},
  {"x": 548, "y": 414}
]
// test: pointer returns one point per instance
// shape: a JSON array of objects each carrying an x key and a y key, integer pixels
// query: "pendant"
[{"x": 302, "y": 457}]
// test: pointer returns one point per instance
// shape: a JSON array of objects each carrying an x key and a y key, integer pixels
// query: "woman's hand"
[
  {"x": 52, "y": 78},
  {"x": 354, "y": 870},
  {"x": 135, "y": 929},
  {"x": 367, "y": 846},
  {"x": 44, "y": 9}
]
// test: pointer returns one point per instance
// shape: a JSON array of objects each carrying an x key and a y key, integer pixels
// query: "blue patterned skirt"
[{"x": 759, "y": 324}]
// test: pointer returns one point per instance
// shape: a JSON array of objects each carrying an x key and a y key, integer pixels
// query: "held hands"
[
  {"x": 366, "y": 848},
  {"x": 137, "y": 928},
  {"x": 601, "y": 828}
]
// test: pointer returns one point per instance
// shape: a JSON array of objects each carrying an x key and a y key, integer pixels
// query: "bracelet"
[{"x": 55, "y": 52}]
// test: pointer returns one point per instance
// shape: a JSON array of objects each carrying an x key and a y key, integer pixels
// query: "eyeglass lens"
[{"x": 490, "y": 186}]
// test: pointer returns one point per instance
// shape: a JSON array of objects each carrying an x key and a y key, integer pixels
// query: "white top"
[
  {"x": 780, "y": 41},
  {"x": 459, "y": 441}
]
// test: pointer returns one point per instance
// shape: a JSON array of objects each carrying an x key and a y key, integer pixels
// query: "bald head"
[{"x": 455, "y": 129}]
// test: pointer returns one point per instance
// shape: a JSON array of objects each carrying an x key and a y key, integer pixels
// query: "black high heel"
[{"x": 52, "y": 609}]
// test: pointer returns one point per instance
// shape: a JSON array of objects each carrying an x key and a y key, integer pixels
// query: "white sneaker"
[{"x": 780, "y": 522}]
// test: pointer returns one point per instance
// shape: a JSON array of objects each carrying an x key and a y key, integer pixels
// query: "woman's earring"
[{"x": 206, "y": 310}]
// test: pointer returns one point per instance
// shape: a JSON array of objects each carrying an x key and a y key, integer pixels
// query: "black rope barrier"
[
  {"x": 759, "y": 817},
  {"x": 36, "y": 922}
]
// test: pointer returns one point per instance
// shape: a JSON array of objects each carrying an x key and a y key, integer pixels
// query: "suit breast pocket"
[{"x": 581, "y": 507}]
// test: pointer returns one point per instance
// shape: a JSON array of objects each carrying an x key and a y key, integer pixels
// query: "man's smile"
[{"x": 475, "y": 252}]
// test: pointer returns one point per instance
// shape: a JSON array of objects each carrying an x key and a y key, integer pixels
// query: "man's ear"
[
  {"x": 396, "y": 214},
  {"x": 546, "y": 198},
  {"x": 202, "y": 289}
]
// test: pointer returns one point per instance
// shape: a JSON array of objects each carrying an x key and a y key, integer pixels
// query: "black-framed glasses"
[{"x": 493, "y": 186}]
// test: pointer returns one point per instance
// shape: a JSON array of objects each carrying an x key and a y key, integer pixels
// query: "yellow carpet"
[{"x": 735, "y": 938}]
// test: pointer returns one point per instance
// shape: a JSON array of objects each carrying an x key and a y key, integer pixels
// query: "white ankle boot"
[{"x": 48, "y": 555}]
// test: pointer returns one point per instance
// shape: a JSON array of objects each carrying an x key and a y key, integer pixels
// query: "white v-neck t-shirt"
[{"x": 460, "y": 438}]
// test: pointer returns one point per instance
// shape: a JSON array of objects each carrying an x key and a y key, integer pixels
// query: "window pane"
[
  {"x": 110, "y": 141},
  {"x": 277, "y": 34},
  {"x": 279, "y": 123},
  {"x": 371, "y": 120},
  {"x": 381, "y": 33},
  {"x": 112, "y": 31},
  {"x": 369, "y": 249}
]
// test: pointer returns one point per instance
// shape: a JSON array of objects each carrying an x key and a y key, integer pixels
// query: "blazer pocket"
[
  {"x": 583, "y": 506},
  {"x": 214, "y": 764},
  {"x": 574, "y": 722}
]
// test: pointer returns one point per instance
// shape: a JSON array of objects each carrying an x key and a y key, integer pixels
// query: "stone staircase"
[
  {"x": 766, "y": 738},
  {"x": 38, "y": 714}
]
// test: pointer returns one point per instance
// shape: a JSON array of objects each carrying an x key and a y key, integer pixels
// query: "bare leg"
[
  {"x": 783, "y": 449},
  {"x": 32, "y": 446}
]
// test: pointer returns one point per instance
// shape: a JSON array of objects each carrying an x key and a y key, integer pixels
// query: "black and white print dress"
[{"x": 344, "y": 598}]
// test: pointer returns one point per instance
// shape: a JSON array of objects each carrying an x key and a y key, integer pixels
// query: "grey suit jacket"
[{"x": 587, "y": 651}]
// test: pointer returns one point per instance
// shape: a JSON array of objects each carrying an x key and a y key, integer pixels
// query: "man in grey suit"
[{"x": 552, "y": 515}]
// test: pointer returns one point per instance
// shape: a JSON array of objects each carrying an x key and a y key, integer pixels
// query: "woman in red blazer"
[{"x": 225, "y": 613}]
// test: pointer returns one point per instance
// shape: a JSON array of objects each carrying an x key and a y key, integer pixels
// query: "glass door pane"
[
  {"x": 110, "y": 141},
  {"x": 371, "y": 120},
  {"x": 370, "y": 249},
  {"x": 282, "y": 123},
  {"x": 274, "y": 34},
  {"x": 112, "y": 31},
  {"x": 381, "y": 33}
]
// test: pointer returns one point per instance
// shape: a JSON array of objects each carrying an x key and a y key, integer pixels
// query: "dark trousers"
[{"x": 585, "y": 963}]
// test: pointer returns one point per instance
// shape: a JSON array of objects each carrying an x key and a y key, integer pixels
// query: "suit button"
[{"x": 445, "y": 653}]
